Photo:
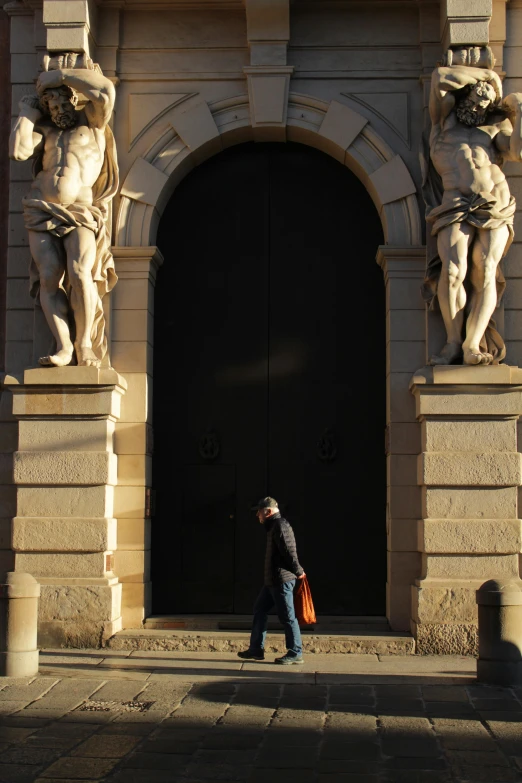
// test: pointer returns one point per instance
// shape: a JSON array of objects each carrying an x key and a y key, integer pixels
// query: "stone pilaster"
[
  {"x": 65, "y": 471},
  {"x": 405, "y": 351},
  {"x": 132, "y": 334},
  {"x": 469, "y": 471}
]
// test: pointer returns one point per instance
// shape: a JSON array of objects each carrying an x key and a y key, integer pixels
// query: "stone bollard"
[
  {"x": 19, "y": 625},
  {"x": 500, "y": 633}
]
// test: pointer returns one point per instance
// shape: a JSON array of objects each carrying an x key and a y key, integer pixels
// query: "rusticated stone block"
[
  {"x": 63, "y": 566},
  {"x": 479, "y": 403},
  {"x": 93, "y": 603},
  {"x": 446, "y": 639},
  {"x": 460, "y": 503},
  {"x": 65, "y": 435},
  {"x": 63, "y": 534},
  {"x": 466, "y": 435},
  {"x": 63, "y": 468},
  {"x": 438, "y": 604},
  {"x": 490, "y": 469},
  {"x": 470, "y": 567},
  {"x": 472, "y": 536},
  {"x": 97, "y": 501}
]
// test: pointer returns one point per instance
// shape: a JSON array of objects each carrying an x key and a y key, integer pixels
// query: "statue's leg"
[
  {"x": 453, "y": 244},
  {"x": 47, "y": 253},
  {"x": 80, "y": 247},
  {"x": 485, "y": 257}
]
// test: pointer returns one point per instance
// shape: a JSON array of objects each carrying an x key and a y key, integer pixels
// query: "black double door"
[{"x": 269, "y": 378}]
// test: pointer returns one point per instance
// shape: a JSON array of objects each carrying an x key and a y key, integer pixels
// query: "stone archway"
[{"x": 166, "y": 152}]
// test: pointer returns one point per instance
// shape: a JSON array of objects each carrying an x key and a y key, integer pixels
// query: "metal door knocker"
[
  {"x": 209, "y": 446},
  {"x": 326, "y": 446}
]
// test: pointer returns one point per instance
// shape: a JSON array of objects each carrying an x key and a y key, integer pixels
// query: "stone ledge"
[
  {"x": 66, "y": 376},
  {"x": 461, "y": 374}
]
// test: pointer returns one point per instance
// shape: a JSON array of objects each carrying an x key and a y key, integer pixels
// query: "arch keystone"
[
  {"x": 392, "y": 181},
  {"x": 144, "y": 182},
  {"x": 341, "y": 126}
]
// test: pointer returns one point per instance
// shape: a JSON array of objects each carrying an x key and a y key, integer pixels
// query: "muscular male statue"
[
  {"x": 66, "y": 210},
  {"x": 473, "y": 132}
]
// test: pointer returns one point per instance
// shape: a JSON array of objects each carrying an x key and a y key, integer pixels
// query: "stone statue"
[
  {"x": 470, "y": 209},
  {"x": 66, "y": 210}
]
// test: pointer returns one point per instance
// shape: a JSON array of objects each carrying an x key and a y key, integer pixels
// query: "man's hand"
[
  {"x": 302, "y": 576},
  {"x": 49, "y": 80}
]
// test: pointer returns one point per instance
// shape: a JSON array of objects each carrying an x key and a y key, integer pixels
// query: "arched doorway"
[{"x": 270, "y": 325}]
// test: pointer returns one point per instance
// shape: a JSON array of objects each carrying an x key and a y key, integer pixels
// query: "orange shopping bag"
[{"x": 303, "y": 604}]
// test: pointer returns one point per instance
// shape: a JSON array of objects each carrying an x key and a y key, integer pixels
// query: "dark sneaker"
[
  {"x": 249, "y": 655},
  {"x": 289, "y": 660}
]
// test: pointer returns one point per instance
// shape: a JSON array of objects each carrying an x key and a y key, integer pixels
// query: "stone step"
[
  {"x": 377, "y": 642},
  {"x": 236, "y": 622}
]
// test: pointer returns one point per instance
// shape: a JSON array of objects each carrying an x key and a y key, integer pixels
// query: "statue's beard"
[
  {"x": 65, "y": 119},
  {"x": 471, "y": 114}
]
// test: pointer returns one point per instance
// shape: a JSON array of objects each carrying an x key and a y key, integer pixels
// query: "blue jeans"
[{"x": 282, "y": 597}]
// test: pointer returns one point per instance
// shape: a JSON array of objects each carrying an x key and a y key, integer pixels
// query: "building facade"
[{"x": 267, "y": 332}]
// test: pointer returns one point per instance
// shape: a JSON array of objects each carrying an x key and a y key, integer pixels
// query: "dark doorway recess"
[{"x": 269, "y": 378}]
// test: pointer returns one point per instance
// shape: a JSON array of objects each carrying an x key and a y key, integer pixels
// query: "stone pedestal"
[
  {"x": 64, "y": 469},
  {"x": 469, "y": 472}
]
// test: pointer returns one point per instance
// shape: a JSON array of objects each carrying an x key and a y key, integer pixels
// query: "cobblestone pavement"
[{"x": 197, "y": 718}]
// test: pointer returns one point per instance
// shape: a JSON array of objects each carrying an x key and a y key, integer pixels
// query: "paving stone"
[
  {"x": 9, "y": 707},
  {"x": 448, "y": 693},
  {"x": 44, "y": 714},
  {"x": 214, "y": 687},
  {"x": 288, "y": 758},
  {"x": 417, "y": 776},
  {"x": 405, "y": 763},
  {"x": 27, "y": 693},
  {"x": 500, "y": 705},
  {"x": 398, "y": 691},
  {"x": 247, "y": 693},
  {"x": 446, "y": 709},
  {"x": 170, "y": 761},
  {"x": 508, "y": 734},
  {"x": 463, "y": 734},
  {"x": 131, "y": 729},
  {"x": 351, "y": 694},
  {"x": 351, "y": 724},
  {"x": 62, "y": 744},
  {"x": 473, "y": 757},
  {"x": 294, "y": 718},
  {"x": 23, "y": 721},
  {"x": 338, "y": 749},
  {"x": 13, "y": 734},
  {"x": 487, "y": 692},
  {"x": 149, "y": 716},
  {"x": 292, "y": 738},
  {"x": 165, "y": 695},
  {"x": 61, "y": 731},
  {"x": 408, "y": 737},
  {"x": 386, "y": 704},
  {"x": 67, "y": 694},
  {"x": 64, "y": 780},
  {"x": 106, "y": 747},
  {"x": 225, "y": 756},
  {"x": 18, "y": 773},
  {"x": 29, "y": 755},
  {"x": 119, "y": 691},
  {"x": 233, "y": 740},
  {"x": 281, "y": 776},
  {"x": 141, "y": 776},
  {"x": 506, "y": 716},
  {"x": 171, "y": 745},
  {"x": 224, "y": 772},
  {"x": 347, "y": 767},
  {"x": 485, "y": 774},
  {"x": 293, "y": 703},
  {"x": 68, "y": 767},
  {"x": 241, "y": 715}
]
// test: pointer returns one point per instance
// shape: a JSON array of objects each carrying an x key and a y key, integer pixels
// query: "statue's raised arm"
[
  {"x": 66, "y": 210},
  {"x": 472, "y": 225},
  {"x": 98, "y": 90}
]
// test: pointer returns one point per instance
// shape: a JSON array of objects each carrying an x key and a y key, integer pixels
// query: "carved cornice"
[{"x": 17, "y": 8}]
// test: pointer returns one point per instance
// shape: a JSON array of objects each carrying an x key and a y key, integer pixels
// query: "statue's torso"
[
  {"x": 71, "y": 164},
  {"x": 468, "y": 161}
]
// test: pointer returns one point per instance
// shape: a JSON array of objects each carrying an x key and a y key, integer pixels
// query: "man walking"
[{"x": 282, "y": 569}]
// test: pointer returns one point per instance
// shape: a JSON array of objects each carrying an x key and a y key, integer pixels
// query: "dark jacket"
[{"x": 281, "y": 562}]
